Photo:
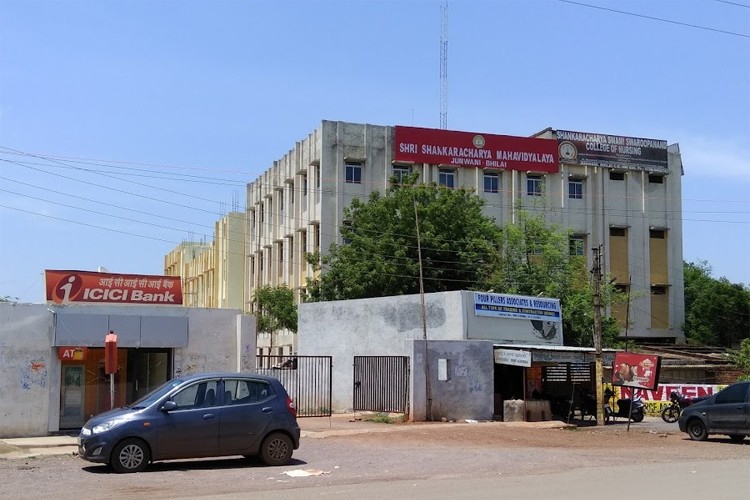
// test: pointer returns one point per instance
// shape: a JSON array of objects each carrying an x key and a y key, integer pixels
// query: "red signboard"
[
  {"x": 468, "y": 149},
  {"x": 67, "y": 287},
  {"x": 636, "y": 370}
]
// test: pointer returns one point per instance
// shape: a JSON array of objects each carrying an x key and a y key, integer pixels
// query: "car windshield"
[{"x": 157, "y": 393}]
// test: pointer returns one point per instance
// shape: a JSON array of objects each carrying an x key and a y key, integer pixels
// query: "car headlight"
[
  {"x": 105, "y": 426},
  {"x": 85, "y": 432}
]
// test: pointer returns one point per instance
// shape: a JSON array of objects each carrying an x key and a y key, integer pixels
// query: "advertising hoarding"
[
  {"x": 469, "y": 149},
  {"x": 636, "y": 370}
]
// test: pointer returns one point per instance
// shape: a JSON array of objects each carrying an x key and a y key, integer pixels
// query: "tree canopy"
[
  {"x": 380, "y": 256},
  {"x": 717, "y": 312},
  {"x": 534, "y": 259},
  {"x": 275, "y": 309}
]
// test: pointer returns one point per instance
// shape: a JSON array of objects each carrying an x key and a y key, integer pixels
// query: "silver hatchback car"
[
  {"x": 726, "y": 412},
  {"x": 195, "y": 416}
]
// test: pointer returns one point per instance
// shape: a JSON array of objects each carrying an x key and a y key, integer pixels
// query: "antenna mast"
[{"x": 444, "y": 66}]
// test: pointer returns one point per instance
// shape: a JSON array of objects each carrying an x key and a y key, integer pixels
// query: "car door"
[
  {"x": 247, "y": 411},
  {"x": 730, "y": 409},
  {"x": 191, "y": 430}
]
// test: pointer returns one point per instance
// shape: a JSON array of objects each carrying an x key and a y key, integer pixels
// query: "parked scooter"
[
  {"x": 623, "y": 408},
  {"x": 671, "y": 413}
]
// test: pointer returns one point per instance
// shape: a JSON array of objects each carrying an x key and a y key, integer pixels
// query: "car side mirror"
[{"x": 169, "y": 406}]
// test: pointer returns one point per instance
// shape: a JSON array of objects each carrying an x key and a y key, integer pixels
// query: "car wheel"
[
  {"x": 697, "y": 430},
  {"x": 130, "y": 455},
  {"x": 276, "y": 449},
  {"x": 737, "y": 438}
]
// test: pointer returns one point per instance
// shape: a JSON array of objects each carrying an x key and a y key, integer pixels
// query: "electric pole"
[
  {"x": 428, "y": 392},
  {"x": 597, "y": 277}
]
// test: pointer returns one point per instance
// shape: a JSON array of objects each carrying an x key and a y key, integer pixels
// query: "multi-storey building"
[
  {"x": 212, "y": 273},
  {"x": 620, "y": 194}
]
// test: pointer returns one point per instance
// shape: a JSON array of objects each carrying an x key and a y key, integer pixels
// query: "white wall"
[{"x": 28, "y": 370}]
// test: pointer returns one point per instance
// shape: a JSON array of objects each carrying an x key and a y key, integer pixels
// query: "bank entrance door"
[{"x": 147, "y": 370}]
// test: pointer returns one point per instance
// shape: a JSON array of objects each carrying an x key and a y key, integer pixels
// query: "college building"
[{"x": 620, "y": 194}]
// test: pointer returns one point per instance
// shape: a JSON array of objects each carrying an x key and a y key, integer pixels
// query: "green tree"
[
  {"x": 275, "y": 309},
  {"x": 717, "y": 312},
  {"x": 741, "y": 358},
  {"x": 380, "y": 255},
  {"x": 534, "y": 259}
]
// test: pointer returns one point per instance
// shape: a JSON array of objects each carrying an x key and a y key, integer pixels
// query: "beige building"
[
  {"x": 622, "y": 194},
  {"x": 212, "y": 274}
]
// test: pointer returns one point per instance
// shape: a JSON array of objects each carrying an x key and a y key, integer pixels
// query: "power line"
[
  {"x": 734, "y": 3},
  {"x": 653, "y": 18}
]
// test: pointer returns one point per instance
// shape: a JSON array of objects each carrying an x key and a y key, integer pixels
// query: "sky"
[{"x": 128, "y": 127}]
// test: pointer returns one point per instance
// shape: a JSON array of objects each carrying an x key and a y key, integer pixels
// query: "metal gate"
[
  {"x": 381, "y": 383},
  {"x": 307, "y": 379}
]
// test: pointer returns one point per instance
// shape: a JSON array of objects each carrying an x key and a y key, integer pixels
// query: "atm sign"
[{"x": 72, "y": 353}]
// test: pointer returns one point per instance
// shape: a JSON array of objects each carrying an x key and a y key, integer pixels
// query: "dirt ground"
[{"x": 382, "y": 453}]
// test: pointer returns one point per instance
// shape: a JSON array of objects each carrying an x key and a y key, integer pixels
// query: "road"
[{"x": 486, "y": 460}]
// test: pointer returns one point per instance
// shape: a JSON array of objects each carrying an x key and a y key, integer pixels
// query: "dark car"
[
  {"x": 726, "y": 412},
  {"x": 195, "y": 416}
]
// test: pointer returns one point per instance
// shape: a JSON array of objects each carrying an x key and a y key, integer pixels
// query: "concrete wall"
[
  {"x": 385, "y": 326},
  {"x": 218, "y": 340},
  {"x": 468, "y": 392},
  {"x": 29, "y": 372}
]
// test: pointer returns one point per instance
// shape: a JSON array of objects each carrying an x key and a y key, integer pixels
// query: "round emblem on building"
[
  {"x": 568, "y": 151},
  {"x": 478, "y": 141}
]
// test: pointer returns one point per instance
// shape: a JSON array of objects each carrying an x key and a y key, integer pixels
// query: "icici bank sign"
[{"x": 67, "y": 287}]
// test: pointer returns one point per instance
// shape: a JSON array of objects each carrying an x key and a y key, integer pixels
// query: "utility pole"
[
  {"x": 428, "y": 392},
  {"x": 597, "y": 277}
]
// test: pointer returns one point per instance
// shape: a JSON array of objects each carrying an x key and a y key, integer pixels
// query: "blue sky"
[{"x": 127, "y": 127}]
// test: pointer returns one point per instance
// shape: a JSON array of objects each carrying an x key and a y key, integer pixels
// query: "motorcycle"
[
  {"x": 678, "y": 402},
  {"x": 623, "y": 408}
]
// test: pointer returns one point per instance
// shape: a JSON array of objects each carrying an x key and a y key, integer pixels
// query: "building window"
[
  {"x": 354, "y": 173},
  {"x": 575, "y": 189},
  {"x": 491, "y": 182},
  {"x": 658, "y": 290},
  {"x": 281, "y": 201},
  {"x": 317, "y": 177},
  {"x": 616, "y": 176},
  {"x": 262, "y": 212},
  {"x": 617, "y": 231},
  {"x": 655, "y": 179},
  {"x": 447, "y": 178},
  {"x": 658, "y": 234},
  {"x": 304, "y": 185},
  {"x": 533, "y": 185},
  {"x": 576, "y": 245},
  {"x": 399, "y": 172}
]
